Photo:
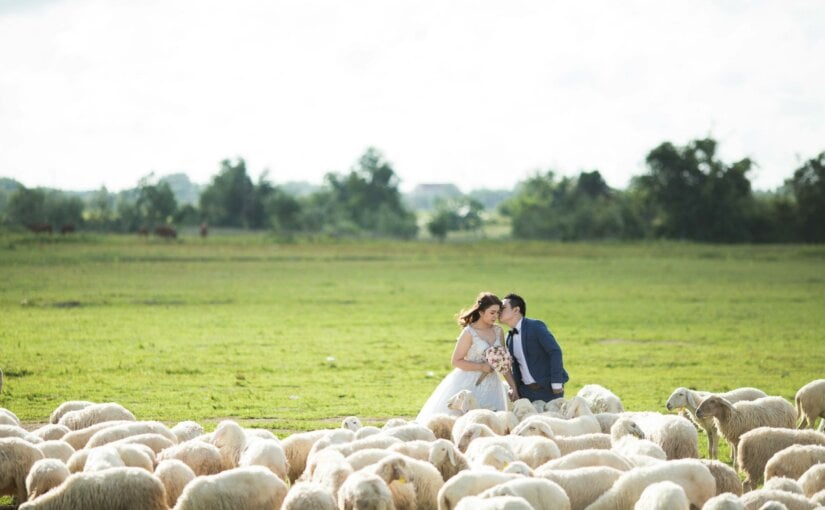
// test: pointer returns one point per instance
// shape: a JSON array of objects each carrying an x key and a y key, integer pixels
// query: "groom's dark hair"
[{"x": 515, "y": 300}]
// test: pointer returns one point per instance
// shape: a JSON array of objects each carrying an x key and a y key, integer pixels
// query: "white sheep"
[
  {"x": 124, "y": 488},
  {"x": 472, "y": 432},
  {"x": 410, "y": 432},
  {"x": 493, "y": 455},
  {"x": 330, "y": 468},
  {"x": 230, "y": 439},
  {"x": 174, "y": 475},
  {"x": 628, "y": 439},
  {"x": 364, "y": 490},
  {"x": 331, "y": 437},
  {"x": 482, "y": 416},
  {"x": 65, "y": 407},
  {"x": 733, "y": 420},
  {"x": 757, "y": 446},
  {"x": 584, "y": 458},
  {"x": 95, "y": 413},
  {"x": 583, "y": 485},
  {"x": 56, "y": 449},
  {"x": 367, "y": 457},
  {"x": 577, "y": 426},
  {"x": 186, "y": 430},
  {"x": 676, "y": 435},
  {"x": 79, "y": 438},
  {"x": 819, "y": 498},
  {"x": 755, "y": 500},
  {"x": 690, "y": 400},
  {"x": 394, "y": 422},
  {"x": 425, "y": 479},
  {"x": 469, "y": 483},
  {"x": 781, "y": 483},
  {"x": 810, "y": 403},
  {"x": 249, "y": 487},
  {"x": 727, "y": 480},
  {"x": 18, "y": 432},
  {"x": 132, "y": 455},
  {"x": 203, "y": 458},
  {"x": 462, "y": 402},
  {"x": 267, "y": 453},
  {"x": 523, "y": 408},
  {"x": 813, "y": 480},
  {"x": 540, "y": 493},
  {"x": 8, "y": 418},
  {"x": 51, "y": 431},
  {"x": 532, "y": 450},
  {"x": 691, "y": 475},
  {"x": 417, "y": 449},
  {"x": 600, "y": 399},
  {"x": 16, "y": 459},
  {"x": 606, "y": 420},
  {"x": 45, "y": 475},
  {"x": 156, "y": 442},
  {"x": 566, "y": 444},
  {"x": 366, "y": 431},
  {"x": 724, "y": 501},
  {"x": 296, "y": 447},
  {"x": 793, "y": 461},
  {"x": 493, "y": 503},
  {"x": 309, "y": 496},
  {"x": 518, "y": 467},
  {"x": 118, "y": 432},
  {"x": 103, "y": 457},
  {"x": 447, "y": 458},
  {"x": 664, "y": 495}
]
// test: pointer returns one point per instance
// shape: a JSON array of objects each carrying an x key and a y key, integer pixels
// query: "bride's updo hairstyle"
[{"x": 484, "y": 301}]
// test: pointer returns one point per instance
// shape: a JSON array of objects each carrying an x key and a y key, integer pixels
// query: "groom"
[{"x": 538, "y": 368}]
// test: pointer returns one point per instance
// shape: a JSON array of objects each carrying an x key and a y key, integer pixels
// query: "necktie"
[{"x": 513, "y": 331}]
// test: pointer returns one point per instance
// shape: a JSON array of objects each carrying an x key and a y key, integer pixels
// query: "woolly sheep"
[
  {"x": 366, "y": 431},
  {"x": 65, "y": 407},
  {"x": 733, "y": 420},
  {"x": 532, "y": 450},
  {"x": 309, "y": 496},
  {"x": 819, "y": 498},
  {"x": 810, "y": 403},
  {"x": 417, "y": 449},
  {"x": 540, "y": 493},
  {"x": 518, "y": 467},
  {"x": 813, "y": 480},
  {"x": 267, "y": 453},
  {"x": 757, "y": 446},
  {"x": 104, "y": 457},
  {"x": 230, "y": 439},
  {"x": 124, "y": 430},
  {"x": 606, "y": 420},
  {"x": 365, "y": 490},
  {"x": 482, "y": 416},
  {"x": 394, "y": 422},
  {"x": 410, "y": 432},
  {"x": 352, "y": 423},
  {"x": 19, "y": 433},
  {"x": 664, "y": 495},
  {"x": 690, "y": 400},
  {"x": 724, "y": 501},
  {"x": 755, "y": 500},
  {"x": 174, "y": 475},
  {"x": 95, "y": 413},
  {"x": 423, "y": 476},
  {"x": 45, "y": 475},
  {"x": 331, "y": 437},
  {"x": 462, "y": 402},
  {"x": 56, "y": 449},
  {"x": 330, "y": 468},
  {"x": 577, "y": 426},
  {"x": 367, "y": 457},
  {"x": 469, "y": 483},
  {"x": 132, "y": 456},
  {"x": 727, "y": 480},
  {"x": 249, "y": 487},
  {"x": 781, "y": 483},
  {"x": 628, "y": 439},
  {"x": 8, "y": 418},
  {"x": 296, "y": 447},
  {"x": 493, "y": 455},
  {"x": 202, "y": 458},
  {"x": 16, "y": 459},
  {"x": 566, "y": 444},
  {"x": 156, "y": 442},
  {"x": 584, "y": 458},
  {"x": 583, "y": 485},
  {"x": 793, "y": 461},
  {"x": 51, "y": 431},
  {"x": 376, "y": 441},
  {"x": 186, "y": 430},
  {"x": 691, "y": 475},
  {"x": 79, "y": 438},
  {"x": 447, "y": 458},
  {"x": 523, "y": 408},
  {"x": 676, "y": 435},
  {"x": 493, "y": 503},
  {"x": 472, "y": 432},
  {"x": 600, "y": 399}
]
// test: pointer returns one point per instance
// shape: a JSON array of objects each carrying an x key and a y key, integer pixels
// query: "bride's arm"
[{"x": 465, "y": 341}]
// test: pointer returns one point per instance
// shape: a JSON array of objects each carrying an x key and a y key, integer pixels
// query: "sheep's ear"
[
  {"x": 690, "y": 400},
  {"x": 451, "y": 455},
  {"x": 726, "y": 403}
]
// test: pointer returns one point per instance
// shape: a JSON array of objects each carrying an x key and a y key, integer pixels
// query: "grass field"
[{"x": 296, "y": 336}]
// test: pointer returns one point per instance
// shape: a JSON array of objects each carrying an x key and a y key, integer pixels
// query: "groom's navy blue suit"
[{"x": 544, "y": 360}]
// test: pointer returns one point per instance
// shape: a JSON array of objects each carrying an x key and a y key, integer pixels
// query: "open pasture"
[{"x": 294, "y": 336}]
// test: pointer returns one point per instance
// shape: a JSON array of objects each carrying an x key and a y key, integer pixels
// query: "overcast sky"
[{"x": 480, "y": 93}]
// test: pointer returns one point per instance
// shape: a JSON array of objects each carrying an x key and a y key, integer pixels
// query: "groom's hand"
[{"x": 513, "y": 394}]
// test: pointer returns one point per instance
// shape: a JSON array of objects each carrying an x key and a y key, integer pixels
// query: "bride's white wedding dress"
[{"x": 490, "y": 393}]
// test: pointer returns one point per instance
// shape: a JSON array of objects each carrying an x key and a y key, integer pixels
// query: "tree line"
[{"x": 687, "y": 193}]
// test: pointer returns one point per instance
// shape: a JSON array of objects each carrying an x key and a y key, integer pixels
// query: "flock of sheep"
[{"x": 583, "y": 453}]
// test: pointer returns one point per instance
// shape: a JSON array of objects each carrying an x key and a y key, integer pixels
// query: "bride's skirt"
[{"x": 490, "y": 393}]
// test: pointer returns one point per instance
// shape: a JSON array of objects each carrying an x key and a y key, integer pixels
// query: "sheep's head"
[
  {"x": 533, "y": 428},
  {"x": 679, "y": 398},
  {"x": 229, "y": 433},
  {"x": 575, "y": 407},
  {"x": 441, "y": 450},
  {"x": 393, "y": 468},
  {"x": 715, "y": 406},
  {"x": 523, "y": 408},
  {"x": 462, "y": 401},
  {"x": 496, "y": 456},
  {"x": 351, "y": 423},
  {"x": 471, "y": 432},
  {"x": 626, "y": 427}
]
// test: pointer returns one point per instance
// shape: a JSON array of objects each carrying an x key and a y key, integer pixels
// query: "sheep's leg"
[
  {"x": 803, "y": 424},
  {"x": 733, "y": 455},
  {"x": 713, "y": 443}
]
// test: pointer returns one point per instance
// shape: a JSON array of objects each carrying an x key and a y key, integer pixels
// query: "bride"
[{"x": 479, "y": 334}]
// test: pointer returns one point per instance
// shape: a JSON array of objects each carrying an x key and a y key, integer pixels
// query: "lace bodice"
[{"x": 476, "y": 352}]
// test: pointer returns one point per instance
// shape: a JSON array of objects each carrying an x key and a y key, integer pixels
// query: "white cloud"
[{"x": 478, "y": 93}]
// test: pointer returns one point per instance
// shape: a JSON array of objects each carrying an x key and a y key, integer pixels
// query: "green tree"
[
  {"x": 456, "y": 214},
  {"x": 27, "y": 206},
  {"x": 808, "y": 187},
  {"x": 230, "y": 200},
  {"x": 61, "y": 209},
  {"x": 155, "y": 203}
]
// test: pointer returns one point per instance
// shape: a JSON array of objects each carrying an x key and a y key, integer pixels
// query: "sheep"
[
  {"x": 469, "y": 483},
  {"x": 540, "y": 493},
  {"x": 724, "y": 501},
  {"x": 755, "y": 500},
  {"x": 628, "y": 439},
  {"x": 577, "y": 426},
  {"x": 482, "y": 416},
  {"x": 95, "y": 413},
  {"x": 65, "y": 407},
  {"x": 757, "y": 446},
  {"x": 352, "y": 423},
  {"x": 493, "y": 455},
  {"x": 417, "y": 449},
  {"x": 532, "y": 450},
  {"x": 410, "y": 432},
  {"x": 45, "y": 475},
  {"x": 394, "y": 422},
  {"x": 518, "y": 467},
  {"x": 296, "y": 447},
  {"x": 202, "y": 458},
  {"x": 331, "y": 437},
  {"x": 727, "y": 480},
  {"x": 309, "y": 496},
  {"x": 447, "y": 459},
  {"x": 367, "y": 457},
  {"x": 606, "y": 420},
  {"x": 493, "y": 503},
  {"x": 123, "y": 488},
  {"x": 8, "y": 418},
  {"x": 690, "y": 400},
  {"x": 462, "y": 402},
  {"x": 18, "y": 432},
  {"x": 155, "y": 442},
  {"x": 51, "y": 432},
  {"x": 56, "y": 449},
  {"x": 813, "y": 480},
  {"x": 330, "y": 468},
  {"x": 249, "y": 487},
  {"x": 16, "y": 459},
  {"x": 600, "y": 399},
  {"x": 132, "y": 456},
  {"x": 366, "y": 431},
  {"x": 664, "y": 495},
  {"x": 583, "y": 485},
  {"x": 365, "y": 490},
  {"x": 101, "y": 458},
  {"x": 584, "y": 458},
  {"x": 819, "y": 498},
  {"x": 733, "y": 420},
  {"x": 566, "y": 444},
  {"x": 523, "y": 408},
  {"x": 230, "y": 439},
  {"x": 692, "y": 476},
  {"x": 425, "y": 479},
  {"x": 79, "y": 438},
  {"x": 186, "y": 430},
  {"x": 810, "y": 403},
  {"x": 676, "y": 435},
  {"x": 781, "y": 483},
  {"x": 793, "y": 461},
  {"x": 174, "y": 475},
  {"x": 472, "y": 432},
  {"x": 117, "y": 432},
  {"x": 267, "y": 453}
]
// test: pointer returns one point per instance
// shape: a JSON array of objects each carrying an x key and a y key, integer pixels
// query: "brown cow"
[
  {"x": 38, "y": 228},
  {"x": 67, "y": 228},
  {"x": 166, "y": 232},
  {"x": 204, "y": 229}
]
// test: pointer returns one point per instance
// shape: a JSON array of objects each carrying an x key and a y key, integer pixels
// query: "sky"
[{"x": 479, "y": 93}]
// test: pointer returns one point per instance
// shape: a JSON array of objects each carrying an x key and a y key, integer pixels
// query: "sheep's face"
[
  {"x": 677, "y": 399},
  {"x": 351, "y": 423},
  {"x": 711, "y": 406}
]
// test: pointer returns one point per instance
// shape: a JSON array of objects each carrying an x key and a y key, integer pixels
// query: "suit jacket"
[{"x": 543, "y": 354}]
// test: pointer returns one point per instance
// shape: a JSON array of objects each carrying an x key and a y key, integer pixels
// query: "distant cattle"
[
  {"x": 166, "y": 232},
  {"x": 67, "y": 228},
  {"x": 204, "y": 229},
  {"x": 39, "y": 228}
]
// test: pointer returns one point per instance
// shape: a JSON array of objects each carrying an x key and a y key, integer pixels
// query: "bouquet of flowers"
[{"x": 499, "y": 358}]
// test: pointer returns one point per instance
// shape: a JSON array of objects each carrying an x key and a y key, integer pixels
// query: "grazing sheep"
[
  {"x": 727, "y": 480},
  {"x": 296, "y": 447},
  {"x": 583, "y": 485},
  {"x": 577, "y": 426},
  {"x": 600, "y": 399},
  {"x": 493, "y": 503},
  {"x": 121, "y": 488},
  {"x": 493, "y": 455},
  {"x": 56, "y": 449},
  {"x": 755, "y": 500},
  {"x": 17, "y": 456},
  {"x": 441, "y": 425},
  {"x": 8, "y": 418},
  {"x": 480, "y": 416},
  {"x": 351, "y": 423},
  {"x": 309, "y": 496},
  {"x": 331, "y": 437},
  {"x": 757, "y": 446},
  {"x": 690, "y": 400},
  {"x": 417, "y": 449},
  {"x": 664, "y": 495},
  {"x": 19, "y": 433},
  {"x": 132, "y": 455},
  {"x": 813, "y": 480},
  {"x": 155, "y": 442},
  {"x": 724, "y": 501},
  {"x": 267, "y": 453},
  {"x": 425, "y": 479},
  {"x": 95, "y": 413},
  {"x": 330, "y": 468},
  {"x": 676, "y": 435},
  {"x": 733, "y": 420},
  {"x": 566, "y": 444},
  {"x": 79, "y": 438},
  {"x": 187, "y": 430},
  {"x": 230, "y": 439},
  {"x": 104, "y": 457},
  {"x": 367, "y": 457},
  {"x": 469, "y": 483},
  {"x": 781, "y": 483},
  {"x": 202, "y": 458},
  {"x": 585, "y": 458},
  {"x": 118, "y": 432},
  {"x": 174, "y": 475},
  {"x": 51, "y": 431},
  {"x": 447, "y": 458},
  {"x": 363, "y": 490},
  {"x": 540, "y": 493},
  {"x": 394, "y": 422},
  {"x": 249, "y": 487},
  {"x": 793, "y": 461},
  {"x": 810, "y": 403},
  {"x": 518, "y": 467},
  {"x": 45, "y": 475},
  {"x": 691, "y": 475},
  {"x": 65, "y": 407}
]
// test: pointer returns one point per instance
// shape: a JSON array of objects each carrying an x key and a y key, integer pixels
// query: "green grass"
[{"x": 245, "y": 327}]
